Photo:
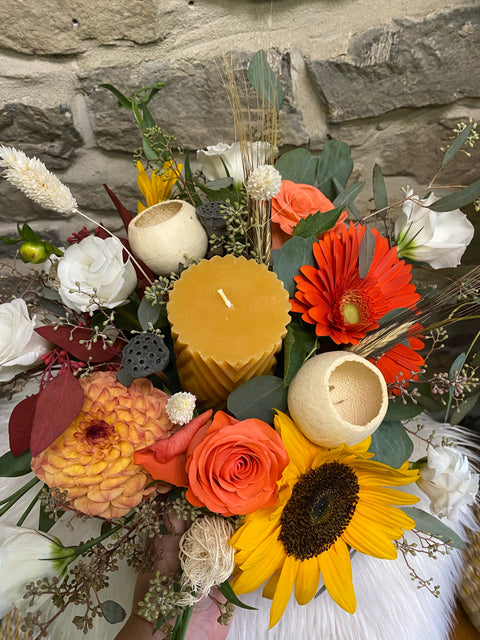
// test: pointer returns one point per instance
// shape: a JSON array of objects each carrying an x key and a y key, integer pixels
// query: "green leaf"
[
  {"x": 295, "y": 253},
  {"x": 257, "y": 398},
  {"x": 458, "y": 199},
  {"x": 298, "y": 166},
  {"x": 365, "y": 253},
  {"x": 221, "y": 183},
  {"x": 456, "y": 367},
  {"x": 298, "y": 343},
  {"x": 379, "y": 190},
  {"x": 459, "y": 413},
  {"x": 45, "y": 522},
  {"x": 28, "y": 233},
  {"x": 123, "y": 101},
  {"x": 113, "y": 612},
  {"x": 433, "y": 526},
  {"x": 348, "y": 195},
  {"x": 189, "y": 186},
  {"x": 14, "y": 466},
  {"x": 218, "y": 195},
  {"x": 334, "y": 161},
  {"x": 456, "y": 144},
  {"x": 6, "y": 240},
  {"x": 227, "y": 591},
  {"x": 147, "y": 314},
  {"x": 263, "y": 79},
  {"x": 400, "y": 411},
  {"x": 391, "y": 444},
  {"x": 317, "y": 223}
]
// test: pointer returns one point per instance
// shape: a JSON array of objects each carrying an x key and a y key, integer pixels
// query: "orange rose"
[
  {"x": 233, "y": 466},
  {"x": 293, "y": 203}
]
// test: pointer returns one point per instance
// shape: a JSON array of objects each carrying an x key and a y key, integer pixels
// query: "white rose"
[
  {"x": 20, "y": 347},
  {"x": 93, "y": 274},
  {"x": 423, "y": 235},
  {"x": 27, "y": 555},
  {"x": 447, "y": 480},
  {"x": 224, "y": 160}
]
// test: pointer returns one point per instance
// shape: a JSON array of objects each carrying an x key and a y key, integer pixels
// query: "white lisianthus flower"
[
  {"x": 93, "y": 274},
  {"x": 264, "y": 182},
  {"x": 27, "y": 555},
  {"x": 20, "y": 347},
  {"x": 447, "y": 480},
  {"x": 224, "y": 160},
  {"x": 423, "y": 235}
]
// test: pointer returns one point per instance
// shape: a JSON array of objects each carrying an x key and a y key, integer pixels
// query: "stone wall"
[{"x": 389, "y": 78}]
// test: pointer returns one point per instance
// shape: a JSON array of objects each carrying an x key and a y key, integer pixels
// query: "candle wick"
[{"x": 227, "y": 302}]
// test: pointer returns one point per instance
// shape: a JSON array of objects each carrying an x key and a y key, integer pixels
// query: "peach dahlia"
[{"x": 93, "y": 458}]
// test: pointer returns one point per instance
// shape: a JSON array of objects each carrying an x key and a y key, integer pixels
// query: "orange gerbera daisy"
[
  {"x": 337, "y": 300},
  {"x": 401, "y": 362}
]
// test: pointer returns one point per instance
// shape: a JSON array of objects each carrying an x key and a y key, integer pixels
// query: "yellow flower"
[
  {"x": 159, "y": 186},
  {"x": 328, "y": 501},
  {"x": 93, "y": 458}
]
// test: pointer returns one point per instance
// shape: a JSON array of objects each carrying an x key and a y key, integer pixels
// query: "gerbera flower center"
[
  {"x": 97, "y": 430},
  {"x": 319, "y": 510},
  {"x": 354, "y": 308}
]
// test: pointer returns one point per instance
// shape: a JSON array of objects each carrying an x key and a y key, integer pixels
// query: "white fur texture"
[{"x": 390, "y": 607}]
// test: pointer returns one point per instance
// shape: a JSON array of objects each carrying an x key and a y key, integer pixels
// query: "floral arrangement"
[{"x": 234, "y": 374}]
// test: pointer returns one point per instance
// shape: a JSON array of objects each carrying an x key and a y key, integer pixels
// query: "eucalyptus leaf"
[
  {"x": 221, "y": 183},
  {"x": 431, "y": 525},
  {"x": 458, "y": 199},
  {"x": 298, "y": 166},
  {"x": 263, "y": 79},
  {"x": 397, "y": 410},
  {"x": 391, "y": 444},
  {"x": 463, "y": 409},
  {"x": 314, "y": 225},
  {"x": 257, "y": 398},
  {"x": 51, "y": 294},
  {"x": 334, "y": 161},
  {"x": 348, "y": 195},
  {"x": 52, "y": 306},
  {"x": 456, "y": 144},
  {"x": 227, "y": 591},
  {"x": 147, "y": 313},
  {"x": 14, "y": 466},
  {"x": 113, "y": 612},
  {"x": 379, "y": 190},
  {"x": 365, "y": 253},
  {"x": 295, "y": 253},
  {"x": 297, "y": 344}
]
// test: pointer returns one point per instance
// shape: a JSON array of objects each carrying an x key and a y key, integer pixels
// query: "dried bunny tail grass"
[
  {"x": 33, "y": 179},
  {"x": 205, "y": 554}
]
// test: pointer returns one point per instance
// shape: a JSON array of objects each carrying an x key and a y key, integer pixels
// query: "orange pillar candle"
[{"x": 228, "y": 317}]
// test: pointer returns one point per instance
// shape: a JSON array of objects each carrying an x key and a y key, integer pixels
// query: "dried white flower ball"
[
  {"x": 264, "y": 182},
  {"x": 206, "y": 556},
  {"x": 180, "y": 407}
]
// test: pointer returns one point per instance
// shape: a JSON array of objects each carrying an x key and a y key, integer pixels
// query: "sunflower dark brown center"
[
  {"x": 319, "y": 510},
  {"x": 98, "y": 430}
]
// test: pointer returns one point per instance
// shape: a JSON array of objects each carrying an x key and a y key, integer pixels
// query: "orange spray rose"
[{"x": 293, "y": 203}]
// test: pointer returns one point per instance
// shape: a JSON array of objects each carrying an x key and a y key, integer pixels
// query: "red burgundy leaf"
[
  {"x": 20, "y": 425},
  {"x": 58, "y": 404},
  {"x": 125, "y": 214},
  {"x": 69, "y": 338}
]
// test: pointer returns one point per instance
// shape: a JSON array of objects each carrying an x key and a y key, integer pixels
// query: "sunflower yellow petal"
[
  {"x": 301, "y": 451},
  {"x": 271, "y": 586},
  {"x": 367, "y": 538},
  {"x": 251, "y": 579},
  {"x": 336, "y": 570},
  {"x": 284, "y": 589},
  {"x": 306, "y": 585}
]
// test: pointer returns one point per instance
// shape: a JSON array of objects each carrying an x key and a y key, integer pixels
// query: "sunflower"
[
  {"x": 159, "y": 186},
  {"x": 339, "y": 301},
  {"x": 328, "y": 501}
]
